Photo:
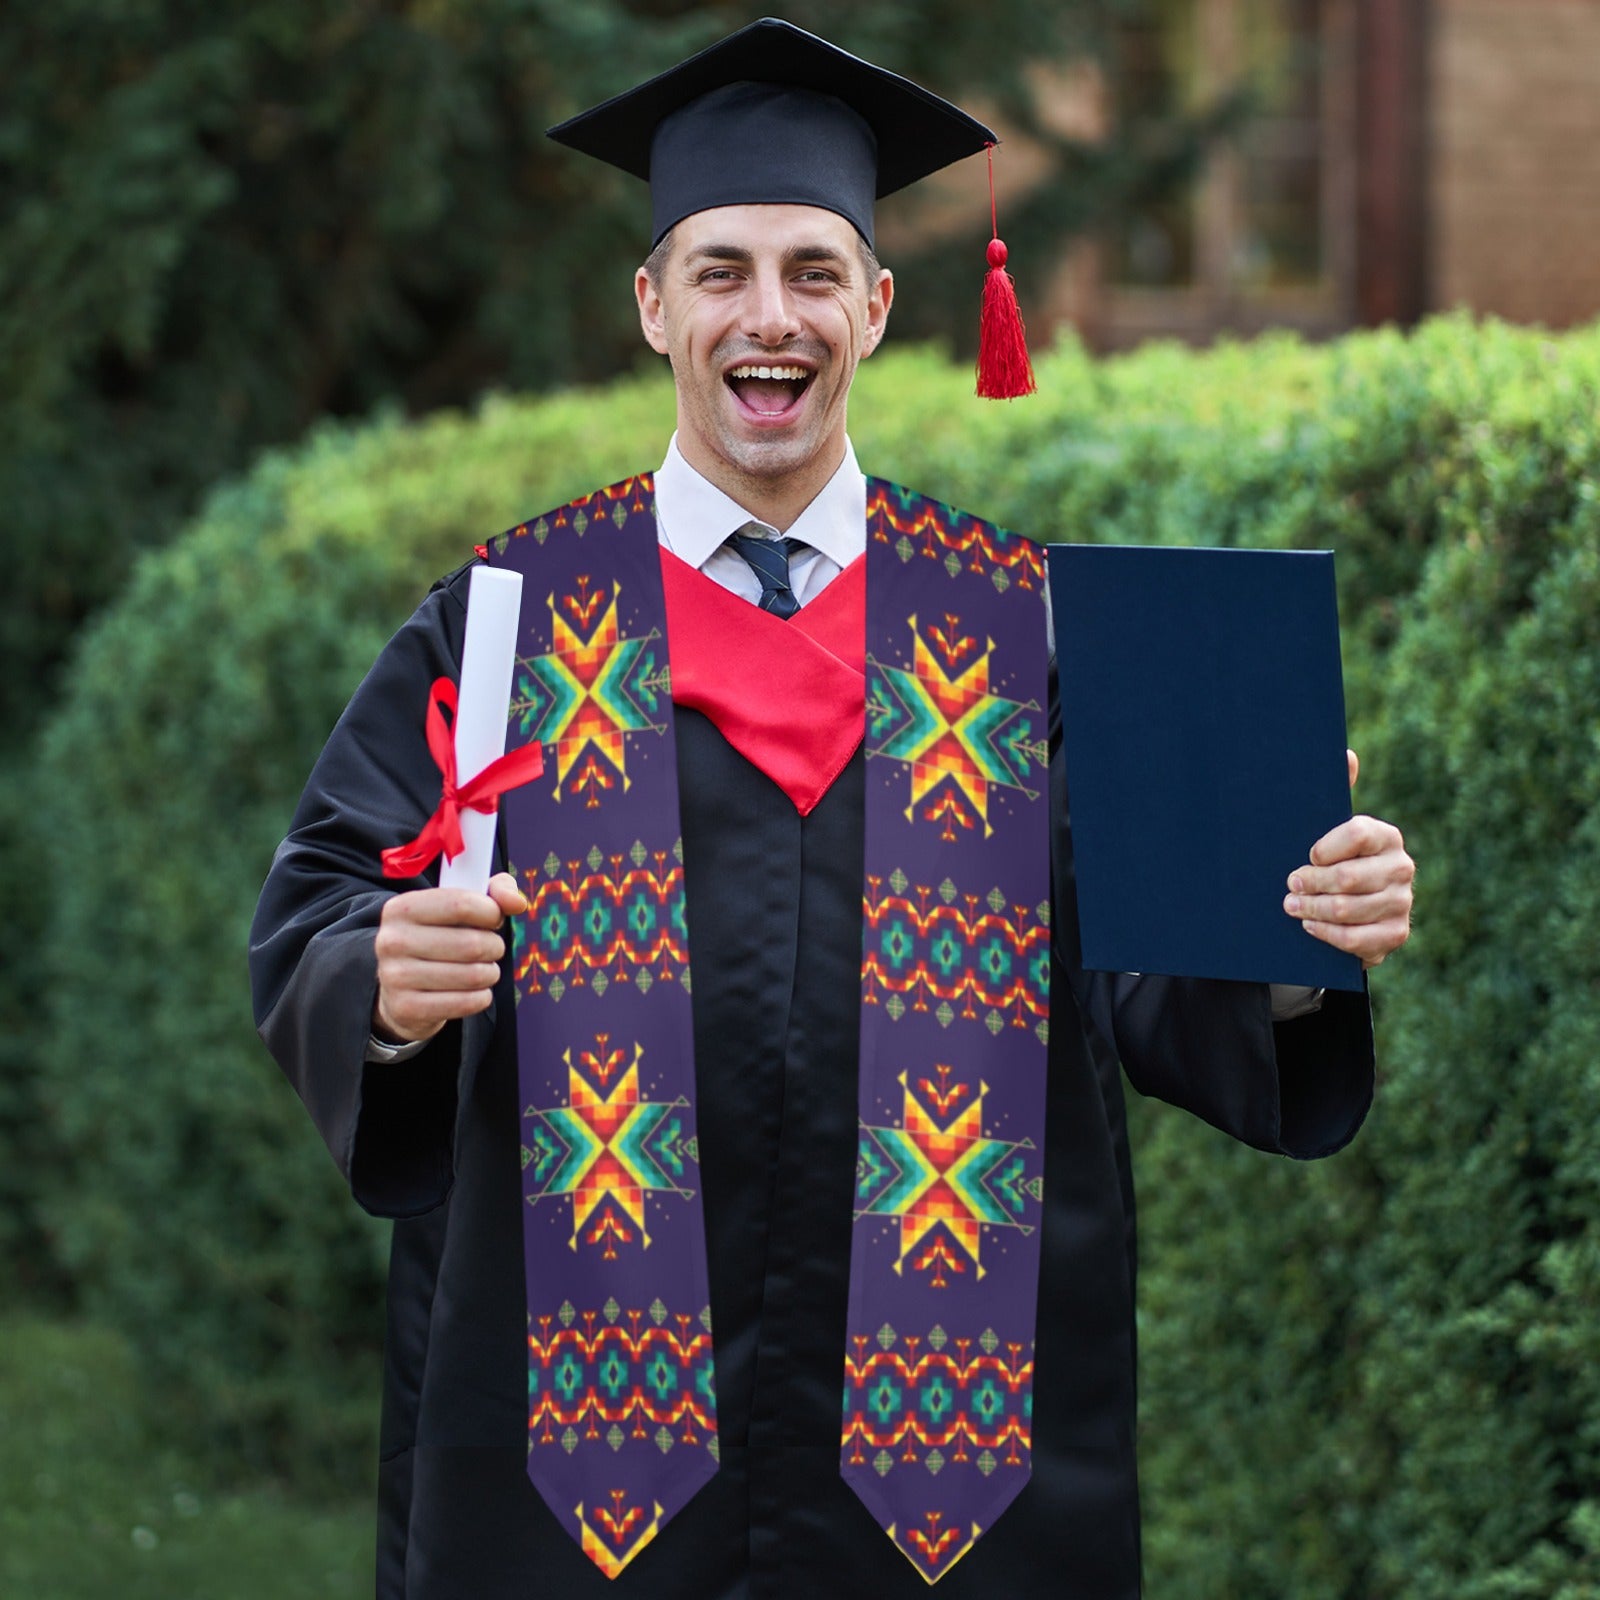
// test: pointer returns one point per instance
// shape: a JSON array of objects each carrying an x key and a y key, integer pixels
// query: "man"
[{"x": 393, "y": 1012}]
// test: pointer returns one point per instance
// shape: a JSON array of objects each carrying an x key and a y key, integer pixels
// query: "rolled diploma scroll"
[{"x": 488, "y": 661}]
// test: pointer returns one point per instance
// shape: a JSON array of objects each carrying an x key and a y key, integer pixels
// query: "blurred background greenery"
[{"x": 295, "y": 308}]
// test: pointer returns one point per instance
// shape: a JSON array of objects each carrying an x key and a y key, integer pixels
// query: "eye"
[{"x": 718, "y": 275}]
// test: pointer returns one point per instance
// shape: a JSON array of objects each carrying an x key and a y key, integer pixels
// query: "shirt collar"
[{"x": 694, "y": 517}]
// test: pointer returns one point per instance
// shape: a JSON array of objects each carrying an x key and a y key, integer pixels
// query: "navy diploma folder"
[{"x": 1202, "y": 711}]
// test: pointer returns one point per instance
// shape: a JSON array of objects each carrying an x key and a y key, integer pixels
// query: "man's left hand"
[{"x": 1355, "y": 893}]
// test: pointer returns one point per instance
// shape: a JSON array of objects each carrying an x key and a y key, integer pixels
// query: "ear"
[
  {"x": 879, "y": 299},
  {"x": 652, "y": 315}
]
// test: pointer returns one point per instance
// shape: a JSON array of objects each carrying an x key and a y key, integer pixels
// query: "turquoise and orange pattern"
[
  {"x": 606, "y": 1146},
  {"x": 591, "y": 689},
  {"x": 937, "y": 1400},
  {"x": 938, "y": 715},
  {"x": 917, "y": 530},
  {"x": 960, "y": 955},
  {"x": 611, "y": 1375},
  {"x": 601, "y": 920},
  {"x": 944, "y": 1179}
]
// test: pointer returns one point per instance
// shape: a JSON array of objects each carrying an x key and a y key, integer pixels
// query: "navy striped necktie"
[{"x": 769, "y": 560}]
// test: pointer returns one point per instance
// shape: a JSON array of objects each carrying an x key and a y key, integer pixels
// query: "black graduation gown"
[{"x": 774, "y": 906}]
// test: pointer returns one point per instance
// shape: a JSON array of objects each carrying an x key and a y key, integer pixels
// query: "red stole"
[{"x": 789, "y": 696}]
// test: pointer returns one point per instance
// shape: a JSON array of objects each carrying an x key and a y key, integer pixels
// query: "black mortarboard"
[{"x": 774, "y": 115}]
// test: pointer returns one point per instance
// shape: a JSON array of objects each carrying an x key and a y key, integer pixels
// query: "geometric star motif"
[
  {"x": 958, "y": 738},
  {"x": 591, "y": 691},
  {"x": 945, "y": 1175},
  {"x": 607, "y": 1149}
]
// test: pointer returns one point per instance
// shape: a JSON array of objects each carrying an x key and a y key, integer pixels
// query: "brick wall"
[{"x": 1514, "y": 163}]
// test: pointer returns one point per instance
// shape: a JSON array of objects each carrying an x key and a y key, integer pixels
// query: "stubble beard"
[{"x": 767, "y": 459}]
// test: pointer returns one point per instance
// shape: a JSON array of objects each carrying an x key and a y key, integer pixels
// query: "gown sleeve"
[
  {"x": 1300, "y": 1088},
  {"x": 313, "y": 965}
]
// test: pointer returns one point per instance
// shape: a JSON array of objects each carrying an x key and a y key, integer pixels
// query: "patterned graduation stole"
[
  {"x": 938, "y": 1370},
  {"x": 622, "y": 1412},
  {"x": 944, "y": 1263}
]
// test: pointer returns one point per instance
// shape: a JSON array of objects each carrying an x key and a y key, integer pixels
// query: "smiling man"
[
  {"x": 816, "y": 1275},
  {"x": 725, "y": 293}
]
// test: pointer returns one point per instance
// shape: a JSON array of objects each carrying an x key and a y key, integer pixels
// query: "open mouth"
[{"x": 769, "y": 391}]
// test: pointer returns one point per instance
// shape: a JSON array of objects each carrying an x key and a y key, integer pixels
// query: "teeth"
[{"x": 797, "y": 374}]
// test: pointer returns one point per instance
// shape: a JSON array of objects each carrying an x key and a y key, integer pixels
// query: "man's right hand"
[{"x": 438, "y": 957}]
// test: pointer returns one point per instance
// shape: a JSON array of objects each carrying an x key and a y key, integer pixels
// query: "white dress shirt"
[{"x": 694, "y": 518}]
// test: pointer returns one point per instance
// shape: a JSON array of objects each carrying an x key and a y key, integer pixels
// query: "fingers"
[
  {"x": 504, "y": 892},
  {"x": 412, "y": 1015},
  {"x": 426, "y": 941},
  {"x": 437, "y": 977},
  {"x": 1372, "y": 941},
  {"x": 1354, "y": 763},
  {"x": 1316, "y": 889},
  {"x": 1372, "y": 905},
  {"x": 1360, "y": 836},
  {"x": 439, "y": 955},
  {"x": 449, "y": 908},
  {"x": 1356, "y": 892}
]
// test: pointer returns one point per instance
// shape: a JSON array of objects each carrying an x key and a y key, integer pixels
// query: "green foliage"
[
  {"x": 25, "y": 1152},
  {"x": 195, "y": 1214},
  {"x": 1370, "y": 1378},
  {"x": 1497, "y": 1033},
  {"x": 1387, "y": 1388},
  {"x": 219, "y": 224},
  {"x": 96, "y": 1500}
]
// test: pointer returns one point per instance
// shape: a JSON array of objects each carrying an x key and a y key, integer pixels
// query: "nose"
[{"x": 771, "y": 318}]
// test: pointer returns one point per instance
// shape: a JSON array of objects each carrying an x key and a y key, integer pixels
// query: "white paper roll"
[{"x": 488, "y": 662}]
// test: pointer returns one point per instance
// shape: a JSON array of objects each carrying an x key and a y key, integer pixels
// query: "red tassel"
[{"x": 1004, "y": 370}]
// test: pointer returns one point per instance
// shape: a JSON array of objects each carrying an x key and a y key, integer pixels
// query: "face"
[{"x": 764, "y": 312}]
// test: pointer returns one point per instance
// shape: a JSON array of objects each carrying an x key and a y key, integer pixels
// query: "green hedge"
[
  {"x": 1377, "y": 1377},
  {"x": 193, "y": 1206},
  {"x": 1369, "y": 1378}
]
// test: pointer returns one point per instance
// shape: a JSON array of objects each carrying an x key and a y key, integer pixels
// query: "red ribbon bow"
[{"x": 442, "y": 832}]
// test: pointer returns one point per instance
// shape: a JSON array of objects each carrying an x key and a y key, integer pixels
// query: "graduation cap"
[{"x": 773, "y": 115}]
